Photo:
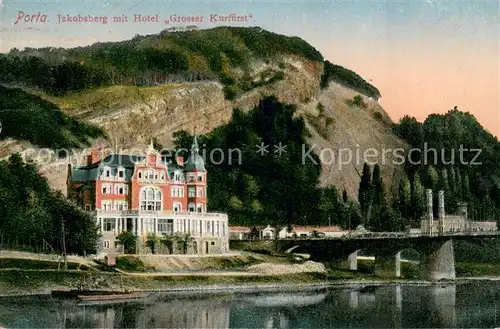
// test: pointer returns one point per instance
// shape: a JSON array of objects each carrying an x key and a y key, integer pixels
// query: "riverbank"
[
  {"x": 240, "y": 273},
  {"x": 43, "y": 283}
]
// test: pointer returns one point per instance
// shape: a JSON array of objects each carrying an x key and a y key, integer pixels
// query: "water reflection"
[{"x": 396, "y": 306}]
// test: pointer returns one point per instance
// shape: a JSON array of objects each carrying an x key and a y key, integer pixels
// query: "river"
[{"x": 468, "y": 305}]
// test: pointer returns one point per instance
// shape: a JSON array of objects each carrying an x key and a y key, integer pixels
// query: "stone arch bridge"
[{"x": 437, "y": 259}]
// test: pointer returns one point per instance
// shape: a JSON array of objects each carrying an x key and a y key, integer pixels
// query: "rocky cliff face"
[{"x": 131, "y": 116}]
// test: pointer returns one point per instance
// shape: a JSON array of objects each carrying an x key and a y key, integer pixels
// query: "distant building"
[
  {"x": 451, "y": 223},
  {"x": 312, "y": 231},
  {"x": 239, "y": 232},
  {"x": 149, "y": 195}
]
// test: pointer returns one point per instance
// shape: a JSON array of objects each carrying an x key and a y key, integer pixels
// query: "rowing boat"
[{"x": 121, "y": 297}]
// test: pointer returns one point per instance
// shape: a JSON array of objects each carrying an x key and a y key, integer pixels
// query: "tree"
[
  {"x": 403, "y": 200},
  {"x": 344, "y": 196},
  {"x": 417, "y": 199},
  {"x": 365, "y": 191},
  {"x": 128, "y": 240},
  {"x": 185, "y": 241},
  {"x": 168, "y": 241},
  {"x": 431, "y": 178},
  {"x": 152, "y": 242}
]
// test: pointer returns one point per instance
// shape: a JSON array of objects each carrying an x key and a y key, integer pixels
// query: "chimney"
[
  {"x": 93, "y": 157},
  {"x": 441, "y": 211},
  {"x": 180, "y": 160},
  {"x": 430, "y": 208}
]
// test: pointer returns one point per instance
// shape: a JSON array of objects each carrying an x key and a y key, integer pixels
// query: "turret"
[
  {"x": 441, "y": 211},
  {"x": 195, "y": 161},
  {"x": 196, "y": 178},
  {"x": 430, "y": 207}
]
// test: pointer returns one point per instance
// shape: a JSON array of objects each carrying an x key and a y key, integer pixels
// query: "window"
[
  {"x": 121, "y": 205},
  {"x": 140, "y": 174},
  {"x": 151, "y": 174},
  {"x": 200, "y": 208},
  {"x": 120, "y": 173},
  {"x": 106, "y": 244},
  {"x": 148, "y": 225},
  {"x": 107, "y": 173},
  {"x": 177, "y": 207},
  {"x": 156, "y": 176},
  {"x": 106, "y": 205},
  {"x": 200, "y": 178},
  {"x": 165, "y": 225},
  {"x": 162, "y": 176},
  {"x": 191, "y": 192},
  {"x": 88, "y": 207},
  {"x": 177, "y": 192},
  {"x": 109, "y": 224},
  {"x": 151, "y": 199},
  {"x": 191, "y": 207},
  {"x": 212, "y": 243}
]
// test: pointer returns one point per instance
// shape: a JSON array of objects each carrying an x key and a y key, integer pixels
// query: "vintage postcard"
[{"x": 249, "y": 164}]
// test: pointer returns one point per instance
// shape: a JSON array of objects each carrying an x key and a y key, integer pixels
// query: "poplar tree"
[
  {"x": 364, "y": 193},
  {"x": 403, "y": 200},
  {"x": 417, "y": 199}
]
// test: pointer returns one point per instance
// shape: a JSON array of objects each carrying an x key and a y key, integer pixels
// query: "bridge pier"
[
  {"x": 388, "y": 264},
  {"x": 438, "y": 260},
  {"x": 353, "y": 261}
]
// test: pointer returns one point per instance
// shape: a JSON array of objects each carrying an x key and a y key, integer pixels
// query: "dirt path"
[{"x": 229, "y": 273}]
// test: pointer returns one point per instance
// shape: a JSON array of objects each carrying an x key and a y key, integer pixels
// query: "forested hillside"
[
  {"x": 34, "y": 216},
  {"x": 230, "y": 55},
  {"x": 473, "y": 177},
  {"x": 269, "y": 188},
  {"x": 265, "y": 188}
]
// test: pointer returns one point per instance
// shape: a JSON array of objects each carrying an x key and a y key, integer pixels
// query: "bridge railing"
[{"x": 385, "y": 235}]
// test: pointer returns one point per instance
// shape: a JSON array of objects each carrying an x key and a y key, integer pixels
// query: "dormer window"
[
  {"x": 121, "y": 173},
  {"x": 140, "y": 174},
  {"x": 200, "y": 178},
  {"x": 107, "y": 172},
  {"x": 163, "y": 176},
  {"x": 156, "y": 176}
]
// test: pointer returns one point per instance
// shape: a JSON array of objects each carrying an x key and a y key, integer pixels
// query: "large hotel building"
[{"x": 149, "y": 195}]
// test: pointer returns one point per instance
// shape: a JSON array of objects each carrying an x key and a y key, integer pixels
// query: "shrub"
[
  {"x": 377, "y": 116},
  {"x": 230, "y": 92},
  {"x": 130, "y": 264},
  {"x": 320, "y": 108}
]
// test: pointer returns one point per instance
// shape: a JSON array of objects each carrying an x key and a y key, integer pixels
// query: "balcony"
[{"x": 148, "y": 213}]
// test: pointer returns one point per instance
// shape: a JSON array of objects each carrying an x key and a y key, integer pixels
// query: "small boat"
[
  {"x": 75, "y": 293},
  {"x": 112, "y": 298}
]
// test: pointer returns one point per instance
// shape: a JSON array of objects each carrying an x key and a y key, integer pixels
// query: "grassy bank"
[{"x": 21, "y": 276}]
